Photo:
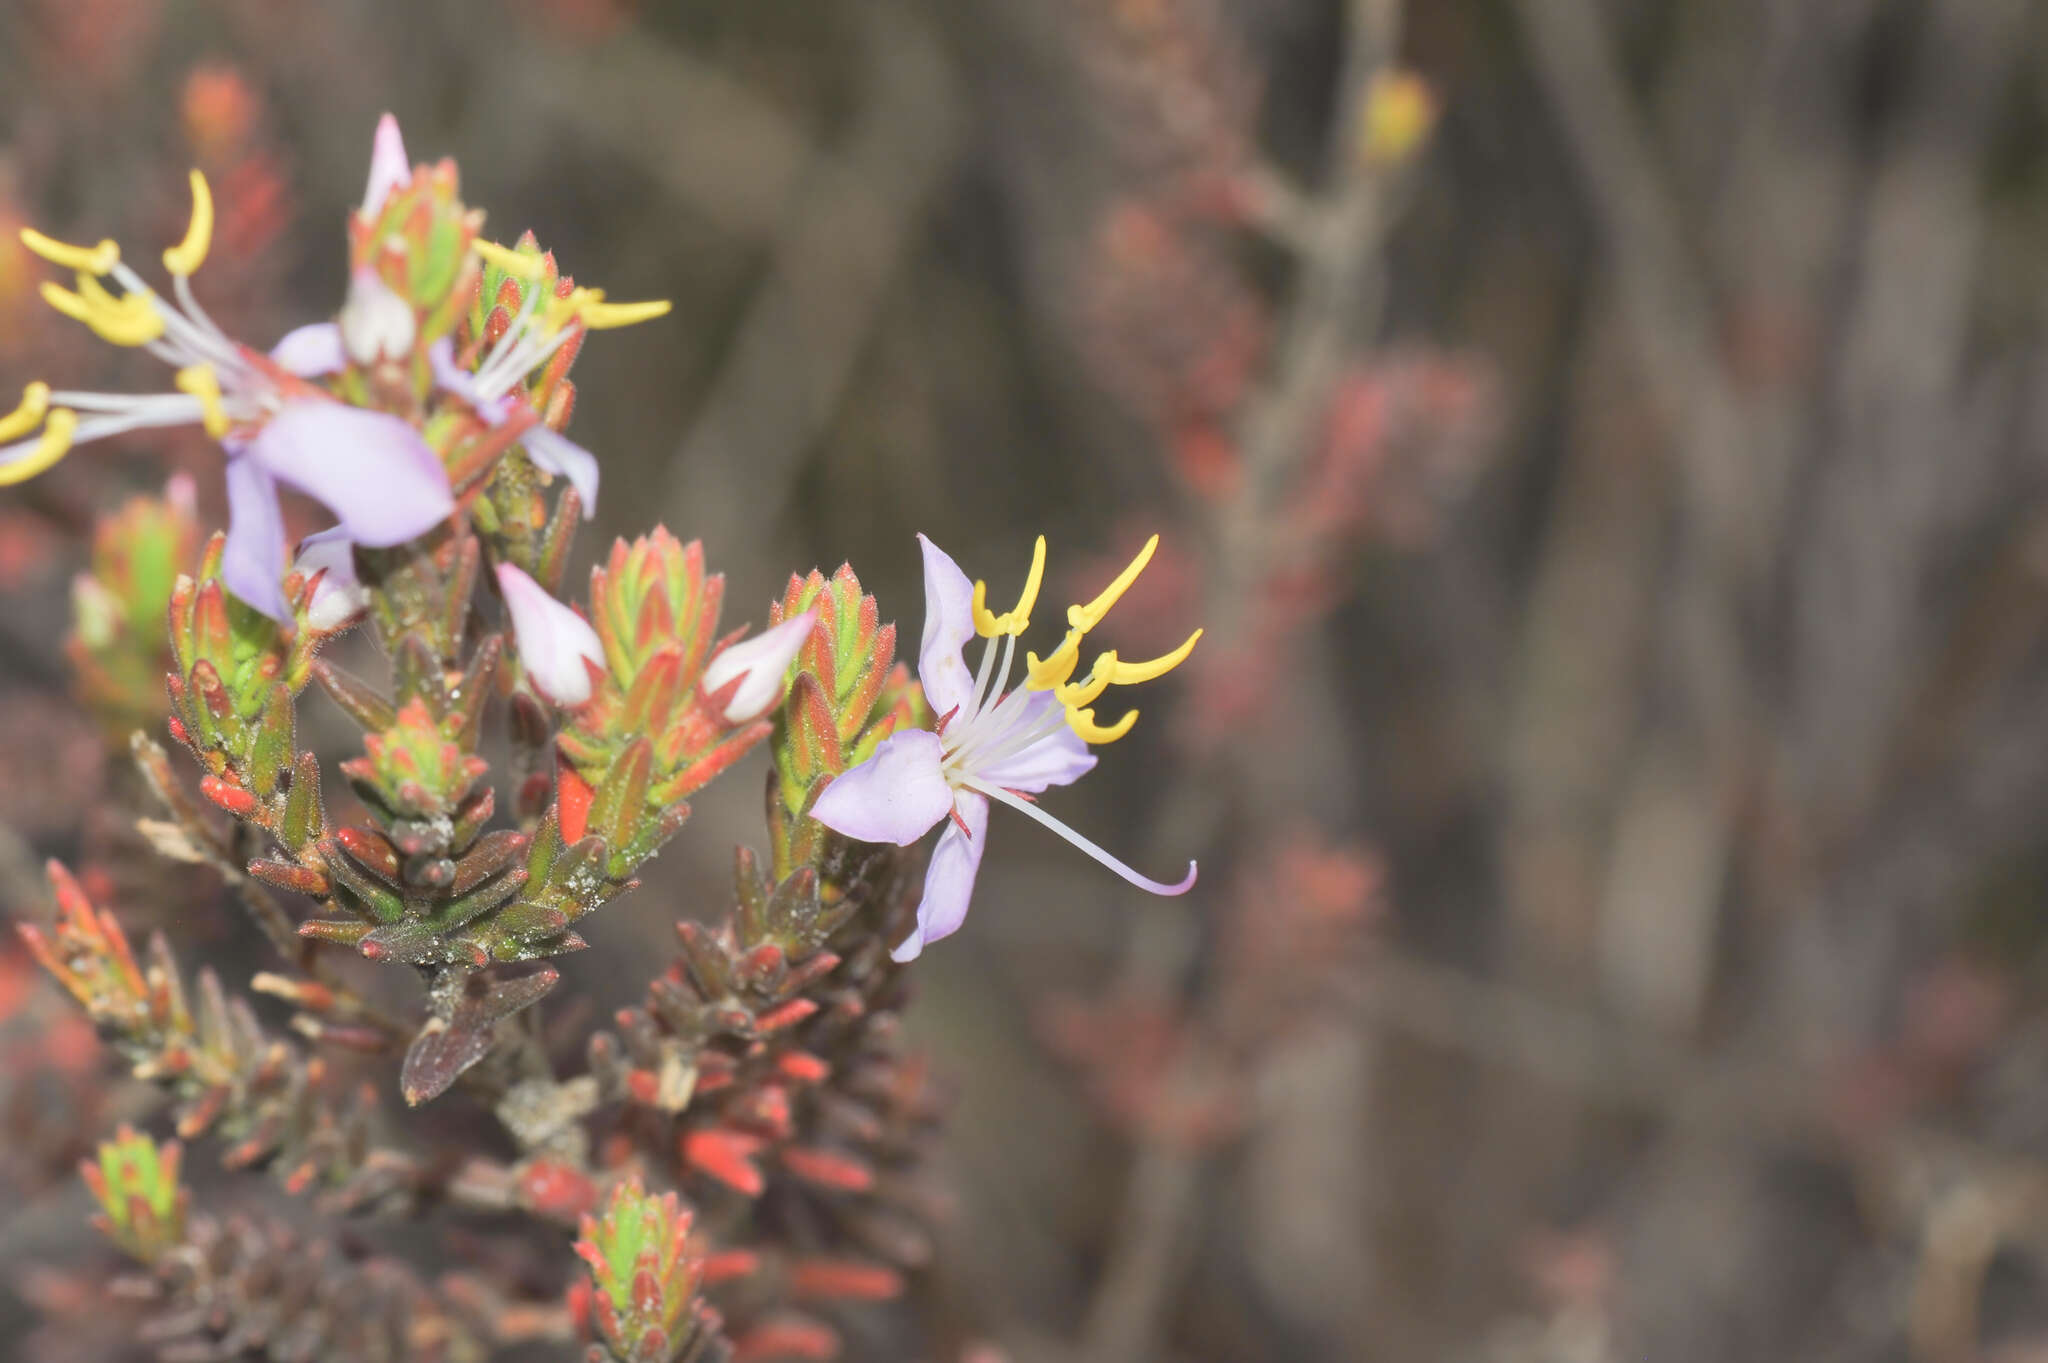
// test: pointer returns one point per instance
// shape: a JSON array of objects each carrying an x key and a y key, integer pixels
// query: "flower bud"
[
  {"x": 759, "y": 663},
  {"x": 338, "y": 597},
  {"x": 376, "y": 324},
  {"x": 389, "y": 167},
  {"x": 554, "y": 641}
]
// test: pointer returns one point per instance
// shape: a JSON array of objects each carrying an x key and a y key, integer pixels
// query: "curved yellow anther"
[
  {"x": 1130, "y": 674},
  {"x": 55, "y": 444},
  {"x": 89, "y": 259},
  {"x": 562, "y": 309},
  {"x": 516, "y": 263},
  {"x": 129, "y": 321},
  {"x": 35, "y": 402},
  {"x": 1056, "y": 667},
  {"x": 1074, "y": 695},
  {"x": 1017, "y": 619},
  {"x": 985, "y": 624},
  {"x": 599, "y": 315},
  {"x": 1085, "y": 618},
  {"x": 201, "y": 382},
  {"x": 188, "y": 255},
  {"x": 1082, "y": 722},
  {"x": 65, "y": 301}
]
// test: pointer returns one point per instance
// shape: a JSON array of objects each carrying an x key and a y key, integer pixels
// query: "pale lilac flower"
[
  {"x": 328, "y": 560},
  {"x": 758, "y": 664},
  {"x": 372, "y": 470},
  {"x": 554, "y": 640},
  {"x": 991, "y": 743}
]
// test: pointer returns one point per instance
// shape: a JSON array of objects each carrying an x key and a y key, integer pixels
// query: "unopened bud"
[{"x": 759, "y": 663}]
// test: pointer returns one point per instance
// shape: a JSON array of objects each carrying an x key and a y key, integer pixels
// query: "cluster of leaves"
[
  {"x": 763, "y": 1079},
  {"x": 117, "y": 647},
  {"x": 261, "y": 1095},
  {"x": 764, "y": 1070},
  {"x": 226, "y": 1291},
  {"x": 640, "y": 1301},
  {"x": 766, "y": 1065}
]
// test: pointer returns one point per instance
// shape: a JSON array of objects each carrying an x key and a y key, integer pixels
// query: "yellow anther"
[
  {"x": 55, "y": 444},
  {"x": 1085, "y": 618},
  {"x": 131, "y": 319},
  {"x": 512, "y": 262},
  {"x": 1074, "y": 695},
  {"x": 562, "y": 310},
  {"x": 599, "y": 315},
  {"x": 201, "y": 382},
  {"x": 1057, "y": 665},
  {"x": 188, "y": 255},
  {"x": 985, "y": 624},
  {"x": 65, "y": 301},
  {"x": 35, "y": 402},
  {"x": 1130, "y": 674},
  {"x": 1017, "y": 620},
  {"x": 1082, "y": 722},
  {"x": 88, "y": 259},
  {"x": 119, "y": 322}
]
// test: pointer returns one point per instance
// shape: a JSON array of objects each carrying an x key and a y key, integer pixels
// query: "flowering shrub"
[{"x": 754, "y": 1132}]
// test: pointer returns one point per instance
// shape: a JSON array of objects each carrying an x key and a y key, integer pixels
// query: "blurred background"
[{"x": 1605, "y": 440}]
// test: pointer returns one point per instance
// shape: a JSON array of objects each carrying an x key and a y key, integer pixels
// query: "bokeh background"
[{"x": 1606, "y": 441}]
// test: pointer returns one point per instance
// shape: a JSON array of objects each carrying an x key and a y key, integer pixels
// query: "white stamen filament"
[
  {"x": 524, "y": 362},
  {"x": 520, "y": 350},
  {"x": 514, "y": 334},
  {"x": 981, "y": 680},
  {"x": 1026, "y": 807},
  {"x": 120, "y": 402},
  {"x": 990, "y": 717},
  {"x": 181, "y": 285},
  {"x": 189, "y": 338},
  {"x": 1005, "y": 744},
  {"x": 155, "y": 411}
]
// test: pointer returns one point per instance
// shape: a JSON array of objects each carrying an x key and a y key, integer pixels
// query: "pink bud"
[
  {"x": 389, "y": 167},
  {"x": 553, "y": 639},
  {"x": 758, "y": 663}
]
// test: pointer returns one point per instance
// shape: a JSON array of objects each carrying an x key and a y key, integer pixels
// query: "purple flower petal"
[
  {"x": 252, "y": 561},
  {"x": 1058, "y": 759},
  {"x": 312, "y": 351},
  {"x": 949, "y": 883},
  {"x": 894, "y": 796},
  {"x": 761, "y": 661},
  {"x": 389, "y": 166},
  {"x": 948, "y": 625},
  {"x": 553, "y": 639},
  {"x": 371, "y": 469},
  {"x": 551, "y": 450}
]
